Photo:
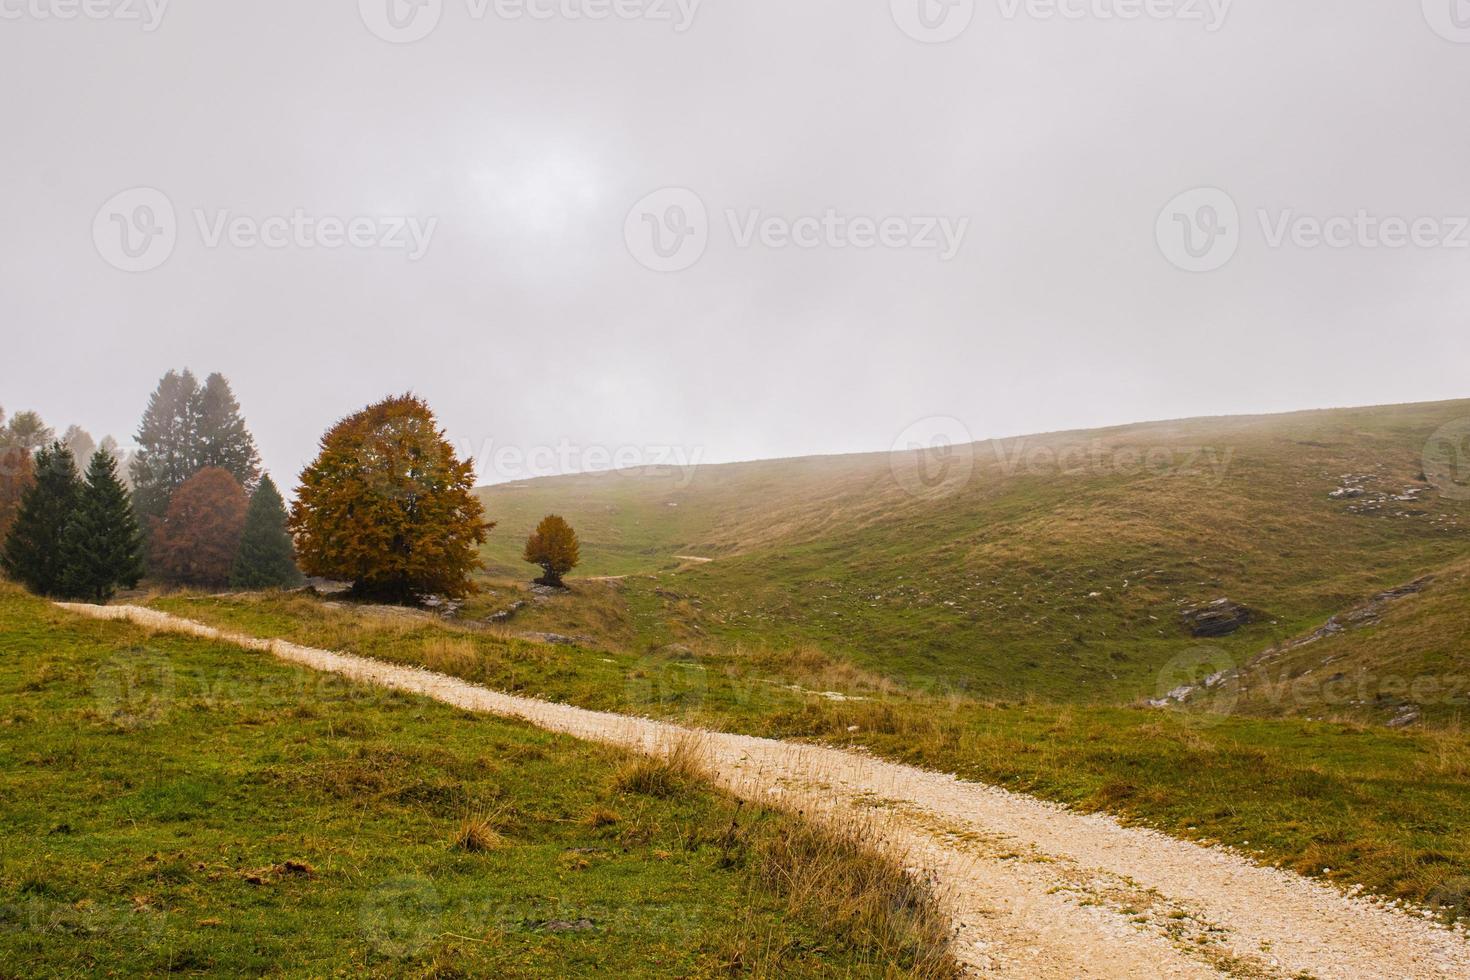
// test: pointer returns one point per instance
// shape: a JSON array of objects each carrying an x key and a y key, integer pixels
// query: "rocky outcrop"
[{"x": 1219, "y": 618}]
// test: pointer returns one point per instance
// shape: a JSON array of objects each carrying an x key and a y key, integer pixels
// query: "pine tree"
[
  {"x": 101, "y": 547},
  {"x": 266, "y": 559},
  {"x": 32, "y": 554},
  {"x": 187, "y": 428},
  {"x": 168, "y": 444},
  {"x": 224, "y": 441}
]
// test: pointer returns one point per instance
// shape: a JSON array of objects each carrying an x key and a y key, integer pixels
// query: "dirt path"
[{"x": 1035, "y": 890}]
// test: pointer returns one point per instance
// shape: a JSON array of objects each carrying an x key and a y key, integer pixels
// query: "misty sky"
[{"x": 530, "y": 319}]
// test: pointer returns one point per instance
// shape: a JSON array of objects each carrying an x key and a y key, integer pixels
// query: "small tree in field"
[
  {"x": 196, "y": 542},
  {"x": 553, "y": 546},
  {"x": 388, "y": 507},
  {"x": 32, "y": 554},
  {"x": 266, "y": 559},
  {"x": 102, "y": 547}
]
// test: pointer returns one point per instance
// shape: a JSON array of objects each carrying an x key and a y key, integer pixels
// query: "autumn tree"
[
  {"x": 80, "y": 442},
  {"x": 26, "y": 431},
  {"x": 266, "y": 559},
  {"x": 32, "y": 554},
  {"x": 17, "y": 473},
  {"x": 387, "y": 506},
  {"x": 553, "y": 546},
  {"x": 196, "y": 541},
  {"x": 102, "y": 547}
]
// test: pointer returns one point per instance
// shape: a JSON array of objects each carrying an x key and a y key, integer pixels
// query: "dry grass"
[
  {"x": 840, "y": 874},
  {"x": 477, "y": 834},
  {"x": 679, "y": 769}
]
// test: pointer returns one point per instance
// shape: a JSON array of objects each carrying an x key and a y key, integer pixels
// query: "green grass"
[
  {"x": 173, "y": 805},
  {"x": 1385, "y": 809},
  {"x": 1050, "y": 566}
]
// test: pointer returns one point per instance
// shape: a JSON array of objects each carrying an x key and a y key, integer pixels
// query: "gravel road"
[{"x": 1035, "y": 890}]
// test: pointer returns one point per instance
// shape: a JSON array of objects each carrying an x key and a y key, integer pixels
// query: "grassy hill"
[
  {"x": 179, "y": 806},
  {"x": 1053, "y": 566}
]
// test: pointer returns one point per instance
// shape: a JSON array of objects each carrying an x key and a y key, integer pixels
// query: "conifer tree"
[
  {"x": 101, "y": 547},
  {"x": 168, "y": 445},
  {"x": 187, "y": 428},
  {"x": 224, "y": 441},
  {"x": 32, "y": 554},
  {"x": 266, "y": 559}
]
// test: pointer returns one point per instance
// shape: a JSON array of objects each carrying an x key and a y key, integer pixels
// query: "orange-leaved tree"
[
  {"x": 388, "y": 507},
  {"x": 196, "y": 541},
  {"x": 553, "y": 546},
  {"x": 17, "y": 472}
]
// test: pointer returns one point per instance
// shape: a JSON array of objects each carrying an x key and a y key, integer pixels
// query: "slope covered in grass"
[
  {"x": 1359, "y": 804},
  {"x": 176, "y": 806},
  {"x": 1052, "y": 566}
]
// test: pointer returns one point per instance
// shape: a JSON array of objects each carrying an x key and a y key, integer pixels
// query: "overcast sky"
[{"x": 1069, "y": 292}]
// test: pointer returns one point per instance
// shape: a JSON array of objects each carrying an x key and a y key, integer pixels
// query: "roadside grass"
[
  {"x": 172, "y": 805},
  {"x": 1351, "y": 803}
]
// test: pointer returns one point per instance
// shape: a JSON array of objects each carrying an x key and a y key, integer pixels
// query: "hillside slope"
[{"x": 1054, "y": 566}]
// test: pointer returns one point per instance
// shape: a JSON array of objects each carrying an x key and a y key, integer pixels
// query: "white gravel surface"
[{"x": 1035, "y": 890}]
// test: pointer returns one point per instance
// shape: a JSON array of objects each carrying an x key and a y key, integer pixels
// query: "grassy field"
[
  {"x": 1350, "y": 802},
  {"x": 1051, "y": 566},
  {"x": 177, "y": 806}
]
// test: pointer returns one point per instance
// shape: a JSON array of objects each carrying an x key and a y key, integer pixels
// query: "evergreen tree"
[
  {"x": 187, "y": 428},
  {"x": 168, "y": 444},
  {"x": 266, "y": 559},
  {"x": 223, "y": 439},
  {"x": 101, "y": 547},
  {"x": 32, "y": 554}
]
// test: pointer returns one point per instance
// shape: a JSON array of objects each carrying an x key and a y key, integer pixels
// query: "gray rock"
[{"x": 1219, "y": 618}]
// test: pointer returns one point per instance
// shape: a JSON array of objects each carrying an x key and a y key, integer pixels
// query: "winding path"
[{"x": 1035, "y": 890}]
